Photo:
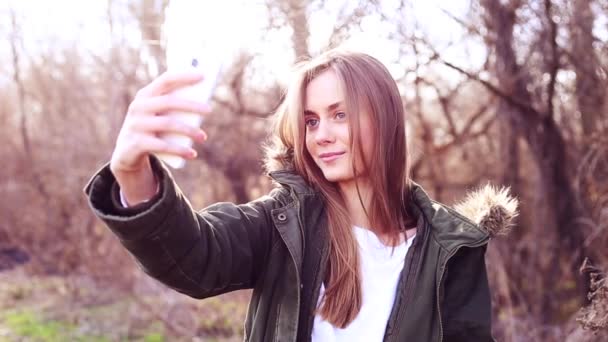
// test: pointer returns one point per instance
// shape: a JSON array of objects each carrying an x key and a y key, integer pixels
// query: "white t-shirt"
[{"x": 380, "y": 274}]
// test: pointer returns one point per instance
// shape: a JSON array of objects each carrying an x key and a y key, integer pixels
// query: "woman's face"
[{"x": 327, "y": 136}]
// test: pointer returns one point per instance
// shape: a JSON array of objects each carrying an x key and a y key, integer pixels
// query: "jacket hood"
[
  {"x": 493, "y": 209},
  {"x": 277, "y": 157}
]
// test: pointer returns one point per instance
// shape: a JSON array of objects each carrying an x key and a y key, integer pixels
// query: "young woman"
[{"x": 345, "y": 248}]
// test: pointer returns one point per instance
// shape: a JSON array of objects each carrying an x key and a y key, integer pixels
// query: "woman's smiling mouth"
[{"x": 330, "y": 156}]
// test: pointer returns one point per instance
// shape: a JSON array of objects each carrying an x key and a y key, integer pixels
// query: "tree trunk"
[
  {"x": 589, "y": 93},
  {"x": 238, "y": 183},
  {"x": 509, "y": 149},
  {"x": 297, "y": 18}
]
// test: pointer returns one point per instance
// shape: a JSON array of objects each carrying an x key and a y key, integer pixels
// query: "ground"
[{"x": 77, "y": 308}]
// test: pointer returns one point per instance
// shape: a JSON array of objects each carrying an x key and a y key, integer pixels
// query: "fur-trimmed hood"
[
  {"x": 277, "y": 156},
  {"x": 484, "y": 213},
  {"x": 493, "y": 209}
]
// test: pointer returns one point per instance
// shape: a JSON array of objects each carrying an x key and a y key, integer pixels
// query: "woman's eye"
[
  {"x": 311, "y": 122},
  {"x": 340, "y": 115}
]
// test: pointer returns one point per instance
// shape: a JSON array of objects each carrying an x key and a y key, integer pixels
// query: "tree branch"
[
  {"x": 347, "y": 22},
  {"x": 554, "y": 59},
  {"x": 526, "y": 107},
  {"x": 15, "y": 40}
]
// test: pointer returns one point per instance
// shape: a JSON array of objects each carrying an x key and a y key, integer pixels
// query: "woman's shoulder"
[
  {"x": 484, "y": 213},
  {"x": 290, "y": 180}
]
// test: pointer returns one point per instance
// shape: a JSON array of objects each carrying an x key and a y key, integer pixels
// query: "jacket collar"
[
  {"x": 449, "y": 228},
  {"x": 485, "y": 213},
  {"x": 290, "y": 179}
]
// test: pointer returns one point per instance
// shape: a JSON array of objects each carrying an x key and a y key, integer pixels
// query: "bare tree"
[
  {"x": 294, "y": 14},
  {"x": 590, "y": 78},
  {"x": 28, "y": 155},
  {"x": 150, "y": 14},
  {"x": 539, "y": 129}
]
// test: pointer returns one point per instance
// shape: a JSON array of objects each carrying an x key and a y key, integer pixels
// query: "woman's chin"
[
  {"x": 342, "y": 176},
  {"x": 335, "y": 176}
]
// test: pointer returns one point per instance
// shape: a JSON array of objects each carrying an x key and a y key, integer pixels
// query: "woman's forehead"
[{"x": 323, "y": 92}]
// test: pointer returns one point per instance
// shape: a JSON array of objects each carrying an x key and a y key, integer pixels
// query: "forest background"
[{"x": 508, "y": 92}]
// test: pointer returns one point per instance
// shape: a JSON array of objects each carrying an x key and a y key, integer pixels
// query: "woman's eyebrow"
[{"x": 329, "y": 108}]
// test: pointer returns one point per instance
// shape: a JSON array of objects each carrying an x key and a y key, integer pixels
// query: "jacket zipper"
[
  {"x": 318, "y": 280},
  {"x": 295, "y": 264},
  {"x": 298, "y": 291},
  {"x": 411, "y": 277},
  {"x": 443, "y": 268}
]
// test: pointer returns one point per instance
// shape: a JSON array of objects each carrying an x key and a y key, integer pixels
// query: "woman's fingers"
[
  {"x": 169, "y": 81},
  {"x": 156, "y": 145},
  {"x": 167, "y": 124},
  {"x": 167, "y": 103},
  {"x": 143, "y": 126},
  {"x": 145, "y": 143}
]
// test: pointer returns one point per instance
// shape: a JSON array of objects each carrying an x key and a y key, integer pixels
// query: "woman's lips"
[{"x": 330, "y": 156}]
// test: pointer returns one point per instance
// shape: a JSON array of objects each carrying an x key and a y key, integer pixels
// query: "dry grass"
[
  {"x": 595, "y": 316},
  {"x": 52, "y": 308}
]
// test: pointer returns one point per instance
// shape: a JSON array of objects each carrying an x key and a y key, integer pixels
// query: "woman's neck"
[
  {"x": 354, "y": 205},
  {"x": 357, "y": 212}
]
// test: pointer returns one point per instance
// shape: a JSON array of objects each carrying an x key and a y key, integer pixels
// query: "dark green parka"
[{"x": 277, "y": 246}]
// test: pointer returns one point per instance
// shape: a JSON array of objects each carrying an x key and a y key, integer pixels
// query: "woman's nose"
[{"x": 324, "y": 133}]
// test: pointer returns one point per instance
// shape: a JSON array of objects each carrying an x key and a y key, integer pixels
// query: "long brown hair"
[{"x": 367, "y": 84}]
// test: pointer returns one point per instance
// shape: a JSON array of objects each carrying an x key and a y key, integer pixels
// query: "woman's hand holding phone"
[{"x": 142, "y": 130}]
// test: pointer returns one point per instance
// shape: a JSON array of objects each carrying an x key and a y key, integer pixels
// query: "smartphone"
[{"x": 191, "y": 45}]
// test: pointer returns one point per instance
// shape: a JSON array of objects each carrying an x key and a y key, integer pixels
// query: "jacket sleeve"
[
  {"x": 219, "y": 249},
  {"x": 466, "y": 304}
]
